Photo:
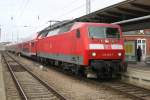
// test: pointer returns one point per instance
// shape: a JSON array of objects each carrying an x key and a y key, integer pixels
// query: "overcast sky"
[{"x": 19, "y": 18}]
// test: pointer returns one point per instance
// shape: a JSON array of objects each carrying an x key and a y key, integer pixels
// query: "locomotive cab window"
[
  {"x": 103, "y": 32},
  {"x": 112, "y": 33}
]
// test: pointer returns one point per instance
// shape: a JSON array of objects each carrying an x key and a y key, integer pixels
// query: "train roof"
[
  {"x": 56, "y": 25},
  {"x": 63, "y": 23}
]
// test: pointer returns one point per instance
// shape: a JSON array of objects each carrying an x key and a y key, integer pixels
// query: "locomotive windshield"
[{"x": 103, "y": 32}]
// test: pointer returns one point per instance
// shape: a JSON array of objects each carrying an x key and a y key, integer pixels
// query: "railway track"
[
  {"x": 29, "y": 86},
  {"x": 132, "y": 91}
]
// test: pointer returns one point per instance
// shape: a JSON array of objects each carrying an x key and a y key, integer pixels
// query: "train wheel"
[
  {"x": 82, "y": 71},
  {"x": 38, "y": 59},
  {"x": 65, "y": 67},
  {"x": 77, "y": 70}
]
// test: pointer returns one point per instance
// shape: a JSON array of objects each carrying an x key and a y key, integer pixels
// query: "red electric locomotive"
[{"x": 89, "y": 48}]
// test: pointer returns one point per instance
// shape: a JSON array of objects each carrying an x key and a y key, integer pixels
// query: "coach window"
[{"x": 78, "y": 33}]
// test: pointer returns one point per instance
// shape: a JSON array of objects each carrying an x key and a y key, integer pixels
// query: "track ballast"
[{"x": 30, "y": 87}]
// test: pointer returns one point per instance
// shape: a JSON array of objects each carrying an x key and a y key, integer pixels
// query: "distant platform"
[{"x": 138, "y": 74}]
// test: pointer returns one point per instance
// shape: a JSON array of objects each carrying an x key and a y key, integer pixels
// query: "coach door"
[{"x": 142, "y": 44}]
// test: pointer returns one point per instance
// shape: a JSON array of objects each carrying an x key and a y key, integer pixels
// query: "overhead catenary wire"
[
  {"x": 20, "y": 8},
  {"x": 64, "y": 7},
  {"x": 19, "y": 14},
  {"x": 71, "y": 11},
  {"x": 74, "y": 9},
  {"x": 68, "y": 4},
  {"x": 24, "y": 8}
]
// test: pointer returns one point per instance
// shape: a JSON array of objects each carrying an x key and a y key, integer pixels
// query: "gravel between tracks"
[{"x": 72, "y": 88}]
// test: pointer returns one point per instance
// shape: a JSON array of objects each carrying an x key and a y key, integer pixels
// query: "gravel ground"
[{"x": 72, "y": 88}]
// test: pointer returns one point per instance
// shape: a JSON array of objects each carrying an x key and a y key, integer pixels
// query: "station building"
[{"x": 133, "y": 39}]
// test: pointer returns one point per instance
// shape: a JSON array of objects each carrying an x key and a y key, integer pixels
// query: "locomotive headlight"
[
  {"x": 119, "y": 54},
  {"x": 93, "y": 54}
]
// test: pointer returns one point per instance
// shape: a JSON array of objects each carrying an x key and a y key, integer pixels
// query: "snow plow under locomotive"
[{"x": 89, "y": 48}]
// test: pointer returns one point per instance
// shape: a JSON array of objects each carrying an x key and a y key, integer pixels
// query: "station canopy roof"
[
  {"x": 129, "y": 14},
  {"x": 125, "y": 10}
]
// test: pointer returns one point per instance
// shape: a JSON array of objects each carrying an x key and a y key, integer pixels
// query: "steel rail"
[
  {"x": 19, "y": 87},
  {"x": 41, "y": 81},
  {"x": 125, "y": 92}
]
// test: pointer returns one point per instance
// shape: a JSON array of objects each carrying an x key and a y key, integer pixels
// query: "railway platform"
[
  {"x": 2, "y": 88},
  {"x": 138, "y": 74}
]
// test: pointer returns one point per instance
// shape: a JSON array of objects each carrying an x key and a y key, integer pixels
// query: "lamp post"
[{"x": 12, "y": 28}]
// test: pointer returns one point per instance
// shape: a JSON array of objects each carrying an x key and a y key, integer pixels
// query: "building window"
[
  {"x": 139, "y": 41},
  {"x": 143, "y": 41}
]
